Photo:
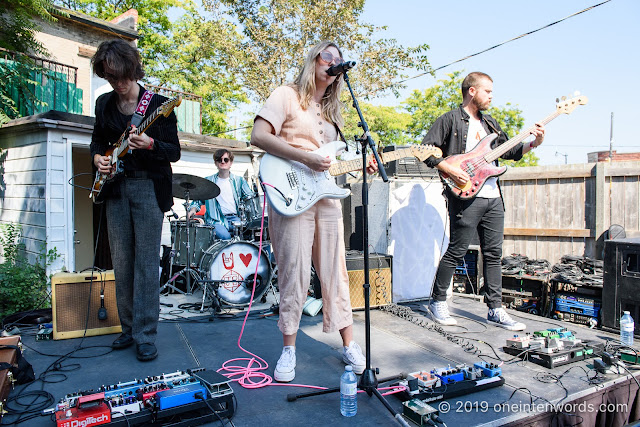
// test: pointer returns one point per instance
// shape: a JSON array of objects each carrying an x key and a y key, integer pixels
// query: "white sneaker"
[
  {"x": 439, "y": 312},
  {"x": 286, "y": 368},
  {"x": 500, "y": 317},
  {"x": 353, "y": 356}
]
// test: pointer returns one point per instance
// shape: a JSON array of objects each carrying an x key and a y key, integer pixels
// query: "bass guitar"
[
  {"x": 120, "y": 148},
  {"x": 292, "y": 187},
  {"x": 478, "y": 163}
]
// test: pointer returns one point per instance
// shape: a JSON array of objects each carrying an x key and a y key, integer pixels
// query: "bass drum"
[{"x": 233, "y": 264}]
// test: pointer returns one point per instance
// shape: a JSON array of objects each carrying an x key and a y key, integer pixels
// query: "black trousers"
[{"x": 465, "y": 216}]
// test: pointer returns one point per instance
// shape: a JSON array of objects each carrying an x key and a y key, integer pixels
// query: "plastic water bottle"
[
  {"x": 626, "y": 329},
  {"x": 348, "y": 392}
]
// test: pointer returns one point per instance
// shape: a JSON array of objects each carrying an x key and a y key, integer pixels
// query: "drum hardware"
[{"x": 184, "y": 187}]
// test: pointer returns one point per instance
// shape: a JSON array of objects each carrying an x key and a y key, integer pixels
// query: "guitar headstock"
[
  {"x": 167, "y": 107},
  {"x": 422, "y": 152},
  {"x": 566, "y": 106}
]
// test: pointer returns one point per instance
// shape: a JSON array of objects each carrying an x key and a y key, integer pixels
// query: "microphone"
[
  {"x": 102, "y": 311},
  {"x": 175, "y": 215},
  {"x": 338, "y": 69}
]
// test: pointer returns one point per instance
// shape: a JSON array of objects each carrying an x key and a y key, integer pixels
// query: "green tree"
[
  {"x": 195, "y": 66},
  {"x": 276, "y": 35},
  {"x": 425, "y": 107},
  {"x": 17, "y": 34},
  {"x": 388, "y": 125}
]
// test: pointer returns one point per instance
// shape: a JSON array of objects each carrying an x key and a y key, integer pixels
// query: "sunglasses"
[
  {"x": 328, "y": 58},
  {"x": 223, "y": 160}
]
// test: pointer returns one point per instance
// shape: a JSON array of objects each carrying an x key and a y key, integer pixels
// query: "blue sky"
[{"x": 594, "y": 53}]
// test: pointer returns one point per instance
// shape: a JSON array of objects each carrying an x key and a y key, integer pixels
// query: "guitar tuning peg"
[
  {"x": 557, "y": 100},
  {"x": 564, "y": 98}
]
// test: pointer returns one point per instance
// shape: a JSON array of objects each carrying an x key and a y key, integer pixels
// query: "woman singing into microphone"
[{"x": 297, "y": 119}]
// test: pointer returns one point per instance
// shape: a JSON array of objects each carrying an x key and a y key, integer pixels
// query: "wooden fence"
[{"x": 556, "y": 210}]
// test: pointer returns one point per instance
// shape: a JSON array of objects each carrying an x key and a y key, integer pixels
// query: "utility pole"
[
  {"x": 611, "y": 139},
  {"x": 565, "y": 156}
]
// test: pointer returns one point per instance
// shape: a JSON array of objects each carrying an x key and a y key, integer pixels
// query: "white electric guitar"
[{"x": 292, "y": 187}]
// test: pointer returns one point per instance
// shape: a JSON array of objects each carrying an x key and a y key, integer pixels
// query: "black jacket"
[
  {"x": 449, "y": 133},
  {"x": 109, "y": 126}
]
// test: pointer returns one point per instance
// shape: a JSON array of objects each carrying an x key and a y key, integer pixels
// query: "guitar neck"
[
  {"x": 356, "y": 164},
  {"x": 494, "y": 154},
  {"x": 123, "y": 144}
]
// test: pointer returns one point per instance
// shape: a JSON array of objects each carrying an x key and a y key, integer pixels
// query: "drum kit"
[{"x": 225, "y": 269}]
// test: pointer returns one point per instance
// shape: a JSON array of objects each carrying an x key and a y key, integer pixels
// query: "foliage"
[
  {"x": 23, "y": 285},
  {"x": 196, "y": 67},
  {"x": 17, "y": 34},
  {"x": 276, "y": 35},
  {"x": 388, "y": 125},
  {"x": 425, "y": 107}
]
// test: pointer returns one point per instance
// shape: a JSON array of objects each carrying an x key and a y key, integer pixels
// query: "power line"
[{"x": 498, "y": 45}]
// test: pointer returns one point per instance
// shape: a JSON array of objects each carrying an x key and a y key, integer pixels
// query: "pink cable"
[{"x": 250, "y": 376}]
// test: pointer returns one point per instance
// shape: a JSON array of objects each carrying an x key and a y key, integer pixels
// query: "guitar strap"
[
  {"x": 341, "y": 136},
  {"x": 141, "y": 109}
]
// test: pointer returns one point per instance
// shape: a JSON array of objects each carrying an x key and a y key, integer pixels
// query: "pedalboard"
[
  {"x": 552, "y": 347},
  {"x": 180, "y": 398},
  {"x": 448, "y": 382}
]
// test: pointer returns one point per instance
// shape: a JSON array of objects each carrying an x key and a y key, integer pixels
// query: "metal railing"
[{"x": 55, "y": 88}]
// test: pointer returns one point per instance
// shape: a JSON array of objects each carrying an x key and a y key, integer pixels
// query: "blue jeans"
[
  {"x": 465, "y": 216},
  {"x": 223, "y": 232}
]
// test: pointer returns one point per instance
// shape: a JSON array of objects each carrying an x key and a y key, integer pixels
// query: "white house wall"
[{"x": 25, "y": 187}]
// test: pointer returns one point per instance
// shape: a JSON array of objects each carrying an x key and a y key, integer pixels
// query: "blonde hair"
[{"x": 305, "y": 85}]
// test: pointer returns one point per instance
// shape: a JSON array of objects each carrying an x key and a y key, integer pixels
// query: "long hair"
[
  {"x": 120, "y": 57},
  {"x": 305, "y": 85}
]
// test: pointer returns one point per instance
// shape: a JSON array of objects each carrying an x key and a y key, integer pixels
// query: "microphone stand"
[{"x": 368, "y": 381}]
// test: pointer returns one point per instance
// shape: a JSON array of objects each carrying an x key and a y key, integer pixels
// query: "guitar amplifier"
[
  {"x": 380, "y": 291},
  {"x": 7, "y": 355},
  {"x": 409, "y": 166},
  {"x": 75, "y": 303}
]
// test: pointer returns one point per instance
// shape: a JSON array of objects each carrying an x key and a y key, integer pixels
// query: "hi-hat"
[{"x": 198, "y": 188}]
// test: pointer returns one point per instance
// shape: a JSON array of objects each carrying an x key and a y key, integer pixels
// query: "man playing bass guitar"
[{"x": 456, "y": 132}]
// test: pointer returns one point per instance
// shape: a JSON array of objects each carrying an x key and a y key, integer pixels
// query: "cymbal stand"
[{"x": 187, "y": 271}]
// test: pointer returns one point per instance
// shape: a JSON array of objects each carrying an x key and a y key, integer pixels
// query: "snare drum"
[
  {"x": 200, "y": 238},
  {"x": 233, "y": 263}
]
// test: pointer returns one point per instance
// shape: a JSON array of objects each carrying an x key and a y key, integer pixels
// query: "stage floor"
[{"x": 189, "y": 339}]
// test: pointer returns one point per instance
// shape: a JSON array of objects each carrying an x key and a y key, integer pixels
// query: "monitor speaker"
[
  {"x": 380, "y": 292},
  {"x": 621, "y": 282},
  {"x": 76, "y": 301}
]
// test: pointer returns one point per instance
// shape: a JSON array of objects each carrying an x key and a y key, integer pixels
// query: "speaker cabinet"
[
  {"x": 76, "y": 301},
  {"x": 379, "y": 279},
  {"x": 621, "y": 282}
]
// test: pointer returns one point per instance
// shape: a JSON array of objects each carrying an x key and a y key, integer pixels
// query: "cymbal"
[{"x": 195, "y": 187}]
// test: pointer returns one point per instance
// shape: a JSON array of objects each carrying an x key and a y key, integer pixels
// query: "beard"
[{"x": 481, "y": 106}]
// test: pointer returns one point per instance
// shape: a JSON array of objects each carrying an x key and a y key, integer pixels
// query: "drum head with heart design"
[{"x": 233, "y": 263}]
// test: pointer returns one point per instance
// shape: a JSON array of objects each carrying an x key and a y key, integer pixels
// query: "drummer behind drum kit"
[{"x": 225, "y": 269}]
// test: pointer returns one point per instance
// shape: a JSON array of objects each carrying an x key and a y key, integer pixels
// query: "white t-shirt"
[
  {"x": 490, "y": 189},
  {"x": 225, "y": 198}
]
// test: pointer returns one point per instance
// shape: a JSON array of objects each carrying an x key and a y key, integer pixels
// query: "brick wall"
[{"x": 603, "y": 156}]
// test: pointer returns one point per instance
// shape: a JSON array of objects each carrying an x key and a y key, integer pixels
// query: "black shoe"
[
  {"x": 123, "y": 341},
  {"x": 147, "y": 351}
]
